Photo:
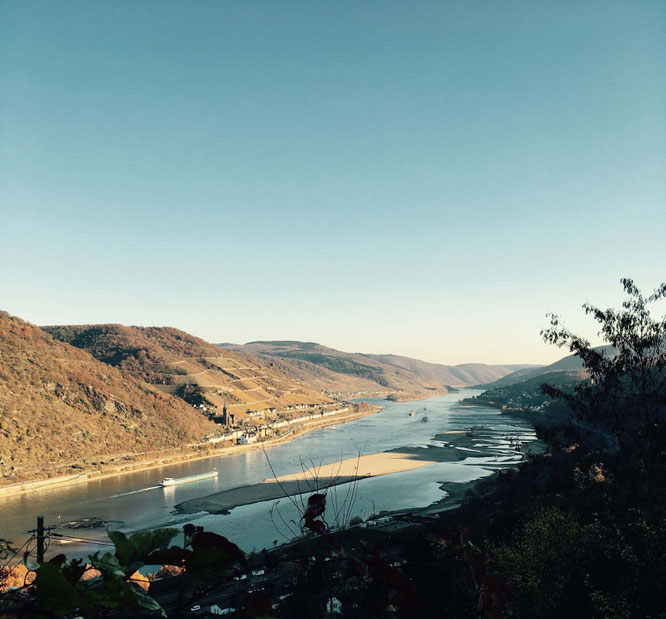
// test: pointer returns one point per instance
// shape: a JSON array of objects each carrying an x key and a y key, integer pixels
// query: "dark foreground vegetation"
[{"x": 577, "y": 532}]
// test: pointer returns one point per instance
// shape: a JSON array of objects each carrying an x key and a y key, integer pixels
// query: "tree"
[{"x": 626, "y": 388}]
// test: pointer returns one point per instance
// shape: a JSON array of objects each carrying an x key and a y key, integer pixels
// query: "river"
[{"x": 134, "y": 501}]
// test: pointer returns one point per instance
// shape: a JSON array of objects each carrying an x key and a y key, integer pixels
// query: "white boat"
[{"x": 171, "y": 481}]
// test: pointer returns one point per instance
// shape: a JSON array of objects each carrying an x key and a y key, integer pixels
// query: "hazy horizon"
[
  {"x": 419, "y": 179},
  {"x": 558, "y": 353}
]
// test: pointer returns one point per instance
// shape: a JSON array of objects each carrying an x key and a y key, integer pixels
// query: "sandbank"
[
  {"x": 321, "y": 477},
  {"x": 370, "y": 465}
]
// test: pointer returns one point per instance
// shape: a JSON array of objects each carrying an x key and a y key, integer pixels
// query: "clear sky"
[{"x": 421, "y": 178}]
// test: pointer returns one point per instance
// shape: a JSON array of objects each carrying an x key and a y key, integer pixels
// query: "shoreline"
[
  {"x": 318, "y": 478},
  {"x": 149, "y": 464},
  {"x": 457, "y": 446}
]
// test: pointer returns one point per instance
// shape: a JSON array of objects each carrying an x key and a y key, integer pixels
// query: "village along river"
[{"x": 135, "y": 501}]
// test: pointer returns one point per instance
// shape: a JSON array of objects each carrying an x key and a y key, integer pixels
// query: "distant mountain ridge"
[
  {"x": 387, "y": 373},
  {"x": 521, "y": 390},
  {"x": 526, "y": 395},
  {"x": 570, "y": 363},
  {"x": 461, "y": 375}
]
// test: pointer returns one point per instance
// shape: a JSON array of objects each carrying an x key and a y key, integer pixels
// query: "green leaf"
[
  {"x": 137, "y": 547},
  {"x": 124, "y": 549},
  {"x": 146, "y": 542},
  {"x": 109, "y": 565}
]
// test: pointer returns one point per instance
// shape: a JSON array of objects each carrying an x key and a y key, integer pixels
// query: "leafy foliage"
[
  {"x": 626, "y": 391},
  {"x": 558, "y": 565},
  {"x": 138, "y": 546},
  {"x": 59, "y": 589},
  {"x": 545, "y": 563}
]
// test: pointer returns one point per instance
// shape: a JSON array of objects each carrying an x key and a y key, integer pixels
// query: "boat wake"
[{"x": 115, "y": 496}]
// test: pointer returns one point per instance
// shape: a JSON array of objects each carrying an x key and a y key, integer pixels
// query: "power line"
[{"x": 19, "y": 550}]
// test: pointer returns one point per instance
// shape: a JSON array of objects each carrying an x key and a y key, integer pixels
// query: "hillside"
[
  {"x": 526, "y": 395},
  {"x": 570, "y": 363},
  {"x": 337, "y": 371},
  {"x": 188, "y": 367},
  {"x": 321, "y": 378},
  {"x": 521, "y": 390},
  {"x": 62, "y": 410},
  {"x": 462, "y": 375}
]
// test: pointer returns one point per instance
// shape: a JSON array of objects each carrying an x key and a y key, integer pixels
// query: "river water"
[{"x": 134, "y": 501}]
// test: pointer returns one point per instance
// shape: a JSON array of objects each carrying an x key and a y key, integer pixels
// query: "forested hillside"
[
  {"x": 527, "y": 395},
  {"x": 570, "y": 363},
  {"x": 147, "y": 353},
  {"x": 62, "y": 410}
]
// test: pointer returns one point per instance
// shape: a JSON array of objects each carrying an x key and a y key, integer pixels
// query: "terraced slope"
[{"x": 191, "y": 368}]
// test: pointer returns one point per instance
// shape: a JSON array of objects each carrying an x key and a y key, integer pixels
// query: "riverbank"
[
  {"x": 194, "y": 453},
  {"x": 481, "y": 487}
]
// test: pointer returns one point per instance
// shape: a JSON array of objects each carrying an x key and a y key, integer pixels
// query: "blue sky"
[{"x": 420, "y": 178}]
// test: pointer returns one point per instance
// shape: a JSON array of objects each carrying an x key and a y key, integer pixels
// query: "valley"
[{"x": 92, "y": 400}]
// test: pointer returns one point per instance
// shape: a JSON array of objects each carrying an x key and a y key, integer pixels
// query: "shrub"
[{"x": 544, "y": 564}]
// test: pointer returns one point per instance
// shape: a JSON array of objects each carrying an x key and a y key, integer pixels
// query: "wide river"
[{"x": 134, "y": 501}]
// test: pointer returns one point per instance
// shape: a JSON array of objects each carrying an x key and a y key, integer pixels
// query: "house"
[{"x": 246, "y": 439}]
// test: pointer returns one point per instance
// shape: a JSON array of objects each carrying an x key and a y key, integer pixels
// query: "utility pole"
[{"x": 40, "y": 538}]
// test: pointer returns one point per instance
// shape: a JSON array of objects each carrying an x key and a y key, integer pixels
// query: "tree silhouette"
[{"x": 626, "y": 388}]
